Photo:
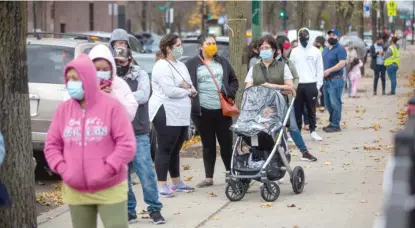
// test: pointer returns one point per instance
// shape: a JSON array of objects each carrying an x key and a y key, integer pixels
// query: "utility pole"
[
  {"x": 283, "y": 15},
  {"x": 204, "y": 11},
  {"x": 412, "y": 21},
  {"x": 256, "y": 19},
  {"x": 236, "y": 25}
]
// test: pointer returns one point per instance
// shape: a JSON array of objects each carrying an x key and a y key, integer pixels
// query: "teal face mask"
[{"x": 75, "y": 90}]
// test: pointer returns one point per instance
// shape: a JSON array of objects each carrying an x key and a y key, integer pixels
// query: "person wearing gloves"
[
  {"x": 89, "y": 143},
  {"x": 139, "y": 82},
  {"x": 307, "y": 58},
  {"x": 108, "y": 80}
]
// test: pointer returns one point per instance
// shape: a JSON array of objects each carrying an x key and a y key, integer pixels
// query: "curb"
[{"x": 45, "y": 217}]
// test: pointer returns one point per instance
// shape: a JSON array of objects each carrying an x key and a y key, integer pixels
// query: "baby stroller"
[{"x": 263, "y": 118}]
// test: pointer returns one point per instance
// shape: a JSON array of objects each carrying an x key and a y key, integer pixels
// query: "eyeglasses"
[{"x": 264, "y": 48}]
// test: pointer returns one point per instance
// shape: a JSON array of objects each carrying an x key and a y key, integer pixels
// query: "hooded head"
[
  {"x": 102, "y": 52},
  {"x": 304, "y": 37},
  {"x": 82, "y": 84},
  {"x": 119, "y": 35}
]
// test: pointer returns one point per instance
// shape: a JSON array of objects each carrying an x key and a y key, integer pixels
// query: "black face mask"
[
  {"x": 122, "y": 70},
  {"x": 332, "y": 41},
  {"x": 304, "y": 42}
]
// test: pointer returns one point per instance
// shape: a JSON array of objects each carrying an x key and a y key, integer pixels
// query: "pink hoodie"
[{"x": 90, "y": 148}]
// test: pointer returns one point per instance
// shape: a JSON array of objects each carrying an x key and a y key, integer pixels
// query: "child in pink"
[{"x": 355, "y": 75}]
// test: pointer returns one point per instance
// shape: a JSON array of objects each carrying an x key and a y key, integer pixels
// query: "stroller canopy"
[{"x": 263, "y": 110}]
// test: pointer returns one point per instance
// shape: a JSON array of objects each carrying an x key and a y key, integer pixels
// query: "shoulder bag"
[{"x": 228, "y": 105}]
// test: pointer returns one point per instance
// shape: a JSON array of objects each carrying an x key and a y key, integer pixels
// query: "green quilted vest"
[{"x": 275, "y": 73}]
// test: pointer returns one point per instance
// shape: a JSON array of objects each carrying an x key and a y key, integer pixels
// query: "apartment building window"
[
  {"x": 63, "y": 27},
  {"x": 91, "y": 16}
]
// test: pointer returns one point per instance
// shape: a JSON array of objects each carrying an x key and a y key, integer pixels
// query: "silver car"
[{"x": 46, "y": 60}]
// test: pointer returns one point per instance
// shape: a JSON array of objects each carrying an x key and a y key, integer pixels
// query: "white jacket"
[
  {"x": 309, "y": 64},
  {"x": 120, "y": 88}
]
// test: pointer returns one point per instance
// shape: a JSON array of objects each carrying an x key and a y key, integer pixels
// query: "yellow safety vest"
[{"x": 394, "y": 58}]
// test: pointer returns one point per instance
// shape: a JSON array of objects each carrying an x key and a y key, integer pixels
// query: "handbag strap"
[
  {"x": 211, "y": 73},
  {"x": 176, "y": 71},
  {"x": 265, "y": 73}
]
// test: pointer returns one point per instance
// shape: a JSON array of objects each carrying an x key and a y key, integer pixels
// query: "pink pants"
[{"x": 355, "y": 82}]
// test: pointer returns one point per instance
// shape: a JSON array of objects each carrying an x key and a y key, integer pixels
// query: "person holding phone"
[{"x": 169, "y": 110}]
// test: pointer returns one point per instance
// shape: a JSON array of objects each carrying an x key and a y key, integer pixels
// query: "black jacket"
[
  {"x": 229, "y": 84},
  {"x": 373, "y": 54}
]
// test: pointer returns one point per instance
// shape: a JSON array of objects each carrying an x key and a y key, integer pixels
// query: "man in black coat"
[{"x": 377, "y": 51}]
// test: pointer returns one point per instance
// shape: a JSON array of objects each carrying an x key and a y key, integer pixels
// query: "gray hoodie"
[{"x": 139, "y": 83}]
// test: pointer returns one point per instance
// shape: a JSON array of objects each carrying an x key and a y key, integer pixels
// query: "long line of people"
[{"x": 100, "y": 133}]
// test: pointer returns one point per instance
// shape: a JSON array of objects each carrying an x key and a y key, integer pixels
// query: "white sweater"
[{"x": 309, "y": 64}]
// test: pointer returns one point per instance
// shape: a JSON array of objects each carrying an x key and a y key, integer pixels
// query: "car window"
[
  {"x": 146, "y": 64},
  {"x": 192, "y": 49},
  {"x": 135, "y": 44},
  {"x": 46, "y": 63}
]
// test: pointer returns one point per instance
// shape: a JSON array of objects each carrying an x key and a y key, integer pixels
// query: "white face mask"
[{"x": 103, "y": 75}]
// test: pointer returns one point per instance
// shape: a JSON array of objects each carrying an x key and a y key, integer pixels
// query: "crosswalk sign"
[{"x": 392, "y": 8}]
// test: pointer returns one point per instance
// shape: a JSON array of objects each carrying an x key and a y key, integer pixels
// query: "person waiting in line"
[
  {"x": 392, "y": 63},
  {"x": 89, "y": 143},
  {"x": 253, "y": 53},
  {"x": 139, "y": 83},
  {"x": 377, "y": 52},
  {"x": 169, "y": 110},
  {"x": 307, "y": 58},
  {"x": 211, "y": 74},
  {"x": 320, "y": 44},
  {"x": 279, "y": 76}
]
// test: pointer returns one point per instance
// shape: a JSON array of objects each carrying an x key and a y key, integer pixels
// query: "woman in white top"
[{"x": 169, "y": 110}]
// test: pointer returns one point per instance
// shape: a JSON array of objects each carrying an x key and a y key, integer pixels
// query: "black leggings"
[
  {"x": 169, "y": 142},
  {"x": 212, "y": 124}
]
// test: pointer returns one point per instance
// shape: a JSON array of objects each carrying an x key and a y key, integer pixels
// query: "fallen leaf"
[
  {"x": 327, "y": 163},
  {"x": 215, "y": 218},
  {"x": 363, "y": 182},
  {"x": 371, "y": 148},
  {"x": 308, "y": 166},
  {"x": 212, "y": 194},
  {"x": 376, "y": 127},
  {"x": 291, "y": 205},
  {"x": 189, "y": 178},
  {"x": 51, "y": 217},
  {"x": 347, "y": 163},
  {"x": 186, "y": 167},
  {"x": 146, "y": 216},
  {"x": 266, "y": 205},
  {"x": 177, "y": 213},
  {"x": 143, "y": 212},
  {"x": 190, "y": 142},
  {"x": 339, "y": 193},
  {"x": 296, "y": 226},
  {"x": 322, "y": 150},
  {"x": 355, "y": 148},
  {"x": 364, "y": 111},
  {"x": 378, "y": 213},
  {"x": 381, "y": 170},
  {"x": 363, "y": 201}
]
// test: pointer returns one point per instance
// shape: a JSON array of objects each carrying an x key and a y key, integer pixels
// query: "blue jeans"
[
  {"x": 142, "y": 165},
  {"x": 296, "y": 133},
  {"x": 333, "y": 90},
  {"x": 392, "y": 69}
]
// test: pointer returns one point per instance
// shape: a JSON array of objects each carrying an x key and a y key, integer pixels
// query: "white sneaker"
[
  {"x": 280, "y": 181},
  {"x": 315, "y": 136}
]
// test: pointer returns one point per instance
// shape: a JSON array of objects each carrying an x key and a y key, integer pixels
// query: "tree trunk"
[
  {"x": 337, "y": 15},
  {"x": 301, "y": 20},
  {"x": 237, "y": 42},
  {"x": 320, "y": 10},
  {"x": 144, "y": 7},
  {"x": 361, "y": 20},
  {"x": 373, "y": 21},
  {"x": 17, "y": 170},
  {"x": 382, "y": 15}
]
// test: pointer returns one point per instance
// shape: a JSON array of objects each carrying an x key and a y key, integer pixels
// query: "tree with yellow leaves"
[{"x": 215, "y": 9}]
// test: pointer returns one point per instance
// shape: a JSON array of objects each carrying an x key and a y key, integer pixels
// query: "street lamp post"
[{"x": 256, "y": 20}]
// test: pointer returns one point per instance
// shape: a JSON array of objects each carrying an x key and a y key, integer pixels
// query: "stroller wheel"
[
  {"x": 298, "y": 179},
  {"x": 270, "y": 191},
  {"x": 235, "y": 190}
]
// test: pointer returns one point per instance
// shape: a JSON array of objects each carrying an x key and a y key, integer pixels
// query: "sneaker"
[
  {"x": 157, "y": 218},
  {"x": 132, "y": 219},
  {"x": 181, "y": 187},
  {"x": 315, "y": 136},
  {"x": 289, "y": 139},
  {"x": 332, "y": 129},
  {"x": 308, "y": 157},
  {"x": 165, "y": 192},
  {"x": 280, "y": 181}
]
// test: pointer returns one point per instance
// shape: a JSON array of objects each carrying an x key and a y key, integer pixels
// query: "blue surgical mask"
[
  {"x": 266, "y": 54},
  {"x": 103, "y": 75},
  {"x": 75, "y": 90}
]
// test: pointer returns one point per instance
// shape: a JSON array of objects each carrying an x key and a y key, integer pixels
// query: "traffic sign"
[{"x": 392, "y": 7}]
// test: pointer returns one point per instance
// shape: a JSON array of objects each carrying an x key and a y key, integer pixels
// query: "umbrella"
[{"x": 356, "y": 43}]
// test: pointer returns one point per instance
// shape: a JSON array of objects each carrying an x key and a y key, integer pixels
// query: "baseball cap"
[
  {"x": 121, "y": 53},
  {"x": 303, "y": 33},
  {"x": 335, "y": 31}
]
